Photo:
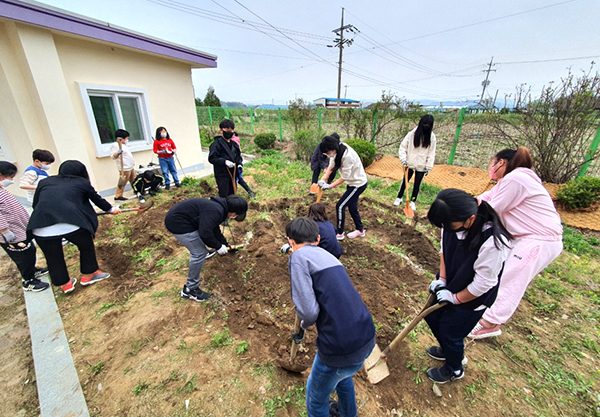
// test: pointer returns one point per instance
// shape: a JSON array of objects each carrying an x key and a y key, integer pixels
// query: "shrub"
[
  {"x": 205, "y": 138},
  {"x": 305, "y": 142},
  {"x": 265, "y": 140},
  {"x": 580, "y": 193},
  {"x": 364, "y": 149}
]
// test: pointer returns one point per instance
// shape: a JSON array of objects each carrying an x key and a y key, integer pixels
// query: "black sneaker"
[
  {"x": 195, "y": 294},
  {"x": 177, "y": 185},
  {"x": 211, "y": 253},
  {"x": 443, "y": 374},
  {"x": 438, "y": 354},
  {"x": 40, "y": 272},
  {"x": 334, "y": 411},
  {"x": 121, "y": 199},
  {"x": 252, "y": 194},
  {"x": 167, "y": 187},
  {"x": 35, "y": 285}
]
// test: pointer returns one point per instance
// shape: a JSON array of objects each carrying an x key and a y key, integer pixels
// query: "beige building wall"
[{"x": 43, "y": 107}]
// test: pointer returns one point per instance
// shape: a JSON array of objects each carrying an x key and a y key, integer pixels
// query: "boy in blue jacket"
[{"x": 324, "y": 295}]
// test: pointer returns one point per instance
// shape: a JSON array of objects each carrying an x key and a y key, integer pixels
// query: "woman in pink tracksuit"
[{"x": 527, "y": 211}]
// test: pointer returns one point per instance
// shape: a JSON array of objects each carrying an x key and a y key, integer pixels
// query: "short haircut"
[
  {"x": 237, "y": 205},
  {"x": 43, "y": 155},
  {"x": 317, "y": 212},
  {"x": 329, "y": 143},
  {"x": 121, "y": 133},
  {"x": 72, "y": 168},
  {"x": 149, "y": 175},
  {"x": 227, "y": 124},
  {"x": 302, "y": 230},
  {"x": 7, "y": 169}
]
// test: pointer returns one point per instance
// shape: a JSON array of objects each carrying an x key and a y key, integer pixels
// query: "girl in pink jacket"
[{"x": 527, "y": 211}]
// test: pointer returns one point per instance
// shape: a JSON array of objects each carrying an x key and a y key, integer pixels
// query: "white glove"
[
  {"x": 322, "y": 184},
  {"x": 446, "y": 296},
  {"x": 427, "y": 172},
  {"x": 404, "y": 163},
  {"x": 229, "y": 164},
  {"x": 9, "y": 236},
  {"x": 119, "y": 152},
  {"x": 326, "y": 186},
  {"x": 222, "y": 250},
  {"x": 285, "y": 248},
  {"x": 436, "y": 284}
]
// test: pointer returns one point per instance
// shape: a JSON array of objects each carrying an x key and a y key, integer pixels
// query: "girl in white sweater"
[{"x": 417, "y": 152}]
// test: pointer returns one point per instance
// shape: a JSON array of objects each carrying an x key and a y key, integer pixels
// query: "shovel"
[
  {"x": 375, "y": 364},
  {"x": 122, "y": 178},
  {"x": 320, "y": 195},
  {"x": 408, "y": 209},
  {"x": 291, "y": 365},
  {"x": 180, "y": 166}
]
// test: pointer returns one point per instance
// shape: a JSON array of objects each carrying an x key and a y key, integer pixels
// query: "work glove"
[
  {"x": 437, "y": 284},
  {"x": 405, "y": 163},
  {"x": 115, "y": 210},
  {"x": 446, "y": 296},
  {"x": 427, "y": 172},
  {"x": 222, "y": 250},
  {"x": 229, "y": 164},
  {"x": 285, "y": 248},
  {"x": 322, "y": 184},
  {"x": 298, "y": 337},
  {"x": 9, "y": 236},
  {"x": 119, "y": 152},
  {"x": 142, "y": 200},
  {"x": 240, "y": 169},
  {"x": 326, "y": 186}
]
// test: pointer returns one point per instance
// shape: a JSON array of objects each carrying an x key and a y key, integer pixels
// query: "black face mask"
[
  {"x": 227, "y": 135},
  {"x": 460, "y": 229}
]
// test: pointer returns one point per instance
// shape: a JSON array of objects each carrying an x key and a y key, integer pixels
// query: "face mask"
[
  {"x": 460, "y": 229},
  {"x": 227, "y": 135},
  {"x": 6, "y": 183},
  {"x": 46, "y": 167},
  {"x": 163, "y": 135}
]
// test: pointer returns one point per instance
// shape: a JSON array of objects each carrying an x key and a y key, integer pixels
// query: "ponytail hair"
[
  {"x": 519, "y": 158},
  {"x": 453, "y": 205}
]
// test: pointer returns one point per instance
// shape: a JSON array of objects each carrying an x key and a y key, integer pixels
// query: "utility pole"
[
  {"x": 339, "y": 43},
  {"x": 485, "y": 83}
]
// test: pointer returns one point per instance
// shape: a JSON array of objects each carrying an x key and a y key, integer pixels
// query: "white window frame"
[
  {"x": 103, "y": 149},
  {"x": 6, "y": 153}
]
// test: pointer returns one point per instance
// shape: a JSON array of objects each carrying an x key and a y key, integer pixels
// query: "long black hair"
[
  {"x": 453, "y": 205},
  {"x": 423, "y": 132},
  {"x": 330, "y": 143},
  {"x": 160, "y": 129},
  {"x": 73, "y": 168}
]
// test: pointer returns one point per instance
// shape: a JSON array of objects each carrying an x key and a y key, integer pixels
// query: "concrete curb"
[{"x": 59, "y": 390}]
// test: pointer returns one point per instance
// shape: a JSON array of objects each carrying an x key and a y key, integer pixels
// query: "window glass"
[
  {"x": 131, "y": 118},
  {"x": 106, "y": 120}
]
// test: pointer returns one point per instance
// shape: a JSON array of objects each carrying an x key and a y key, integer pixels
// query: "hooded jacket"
[{"x": 221, "y": 151}]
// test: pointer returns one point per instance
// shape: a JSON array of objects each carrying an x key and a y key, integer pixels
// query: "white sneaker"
[
  {"x": 357, "y": 233},
  {"x": 412, "y": 205},
  {"x": 397, "y": 202}
]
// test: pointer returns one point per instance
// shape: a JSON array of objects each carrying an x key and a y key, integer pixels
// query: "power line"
[{"x": 549, "y": 60}]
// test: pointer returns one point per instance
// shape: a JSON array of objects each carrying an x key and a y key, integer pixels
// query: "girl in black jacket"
[{"x": 62, "y": 209}]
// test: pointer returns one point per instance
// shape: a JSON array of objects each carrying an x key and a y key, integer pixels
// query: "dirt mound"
[{"x": 476, "y": 181}]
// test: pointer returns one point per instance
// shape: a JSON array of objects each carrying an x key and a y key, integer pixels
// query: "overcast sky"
[{"x": 276, "y": 51}]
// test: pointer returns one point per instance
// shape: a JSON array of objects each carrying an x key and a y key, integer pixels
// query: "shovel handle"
[
  {"x": 102, "y": 213},
  {"x": 320, "y": 195},
  {"x": 295, "y": 346}
]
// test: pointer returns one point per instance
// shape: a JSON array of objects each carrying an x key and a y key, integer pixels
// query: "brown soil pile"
[{"x": 476, "y": 181}]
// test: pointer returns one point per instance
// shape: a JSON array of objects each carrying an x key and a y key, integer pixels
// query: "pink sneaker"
[
  {"x": 480, "y": 332},
  {"x": 340, "y": 236},
  {"x": 357, "y": 233}
]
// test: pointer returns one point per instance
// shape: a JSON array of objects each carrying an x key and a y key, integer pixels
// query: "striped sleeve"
[{"x": 13, "y": 215}]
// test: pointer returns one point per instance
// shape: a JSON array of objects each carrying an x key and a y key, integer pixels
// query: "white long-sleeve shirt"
[
  {"x": 128, "y": 162},
  {"x": 419, "y": 159}
]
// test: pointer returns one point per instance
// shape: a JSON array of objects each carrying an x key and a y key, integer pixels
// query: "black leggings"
[
  {"x": 55, "y": 258},
  {"x": 23, "y": 257},
  {"x": 418, "y": 178},
  {"x": 349, "y": 199}
]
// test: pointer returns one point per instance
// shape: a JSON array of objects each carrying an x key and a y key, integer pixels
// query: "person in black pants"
[
  {"x": 62, "y": 209},
  {"x": 147, "y": 182},
  {"x": 226, "y": 157}
]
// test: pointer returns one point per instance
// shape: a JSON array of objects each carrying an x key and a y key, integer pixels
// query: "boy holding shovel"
[
  {"x": 324, "y": 295},
  {"x": 119, "y": 151}
]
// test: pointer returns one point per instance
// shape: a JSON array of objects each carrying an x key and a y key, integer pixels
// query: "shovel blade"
[
  {"x": 377, "y": 370},
  {"x": 409, "y": 212},
  {"x": 292, "y": 367}
]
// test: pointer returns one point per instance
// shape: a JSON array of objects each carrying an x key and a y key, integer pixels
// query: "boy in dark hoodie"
[{"x": 226, "y": 157}]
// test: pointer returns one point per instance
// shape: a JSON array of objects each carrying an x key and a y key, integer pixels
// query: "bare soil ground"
[{"x": 141, "y": 350}]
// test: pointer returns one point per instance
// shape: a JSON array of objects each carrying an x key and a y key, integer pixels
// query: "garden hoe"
[
  {"x": 375, "y": 364},
  {"x": 292, "y": 366},
  {"x": 408, "y": 209}
]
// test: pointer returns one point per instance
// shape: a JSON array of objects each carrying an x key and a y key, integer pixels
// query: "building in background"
[
  {"x": 331, "y": 103},
  {"x": 67, "y": 82}
]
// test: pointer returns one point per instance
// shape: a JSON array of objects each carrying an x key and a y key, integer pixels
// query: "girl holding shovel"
[{"x": 475, "y": 245}]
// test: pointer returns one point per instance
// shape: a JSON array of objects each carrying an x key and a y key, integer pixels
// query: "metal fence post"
[
  {"x": 374, "y": 127},
  {"x": 590, "y": 154},
  {"x": 457, "y": 135},
  {"x": 252, "y": 120},
  {"x": 210, "y": 115},
  {"x": 280, "y": 129},
  {"x": 320, "y": 110},
  {"x": 227, "y": 112}
]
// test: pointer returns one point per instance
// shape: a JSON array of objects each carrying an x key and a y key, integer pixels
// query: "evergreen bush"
[
  {"x": 580, "y": 193},
  {"x": 365, "y": 150},
  {"x": 265, "y": 140},
  {"x": 305, "y": 143}
]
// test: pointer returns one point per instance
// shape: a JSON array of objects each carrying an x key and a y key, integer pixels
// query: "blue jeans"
[
  {"x": 198, "y": 252},
  {"x": 322, "y": 381},
  {"x": 168, "y": 165}
]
